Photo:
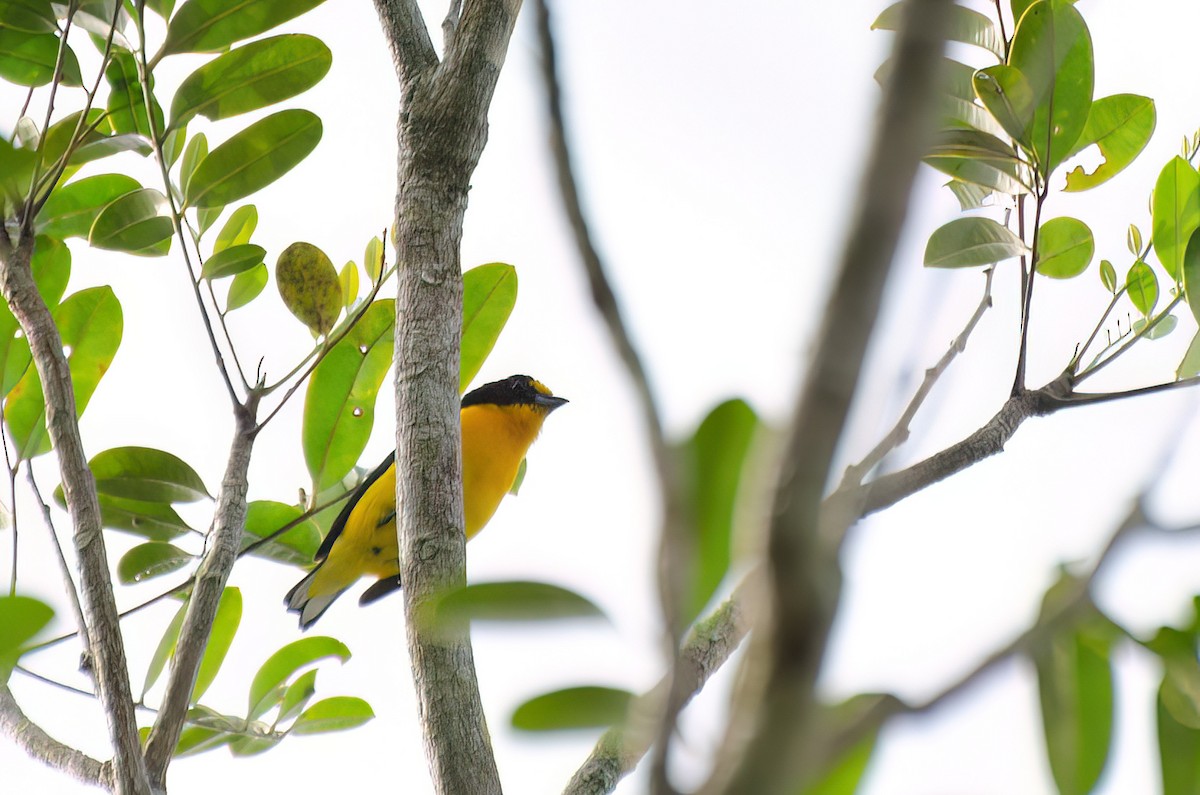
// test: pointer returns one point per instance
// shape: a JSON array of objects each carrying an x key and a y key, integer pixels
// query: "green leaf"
[
  {"x": 254, "y": 76},
  {"x": 339, "y": 406},
  {"x": 506, "y": 601},
  {"x": 165, "y": 650},
  {"x": 16, "y": 172},
  {"x": 126, "y": 100},
  {"x": 238, "y": 229},
  {"x": 1075, "y": 685},
  {"x": 155, "y": 521},
  {"x": 72, "y": 209},
  {"x": 980, "y": 159},
  {"x": 198, "y": 739},
  {"x": 225, "y": 626},
  {"x": 348, "y": 279},
  {"x": 90, "y": 323},
  {"x": 1175, "y": 211},
  {"x": 966, "y": 242},
  {"x": 1108, "y": 276},
  {"x": 1053, "y": 49},
  {"x": 1190, "y": 366},
  {"x": 489, "y": 294},
  {"x": 332, "y": 715},
  {"x": 297, "y": 546},
  {"x": 1120, "y": 126},
  {"x": 232, "y": 261},
  {"x": 1133, "y": 240},
  {"x": 522, "y": 468},
  {"x": 21, "y": 618},
  {"x": 51, "y": 266},
  {"x": 137, "y": 222},
  {"x": 970, "y": 196},
  {"x": 197, "y": 150},
  {"x": 1008, "y": 97},
  {"x": 965, "y": 25},
  {"x": 207, "y": 216},
  {"x": 1142, "y": 286},
  {"x": 297, "y": 695},
  {"x": 585, "y": 707},
  {"x": 254, "y": 158},
  {"x": 1178, "y": 747},
  {"x": 844, "y": 776},
  {"x": 1191, "y": 274},
  {"x": 151, "y": 559},
  {"x": 252, "y": 744},
  {"x": 283, "y": 664},
  {"x": 28, "y": 16},
  {"x": 245, "y": 287},
  {"x": 715, "y": 461},
  {"x": 1065, "y": 248},
  {"x": 308, "y": 284},
  {"x": 373, "y": 259},
  {"x": 29, "y": 59},
  {"x": 143, "y": 473},
  {"x": 1162, "y": 328},
  {"x": 212, "y": 25}
]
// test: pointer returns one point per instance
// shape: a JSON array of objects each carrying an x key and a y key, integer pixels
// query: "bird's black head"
[{"x": 516, "y": 390}]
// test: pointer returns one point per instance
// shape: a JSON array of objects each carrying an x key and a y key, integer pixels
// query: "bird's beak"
[{"x": 550, "y": 402}]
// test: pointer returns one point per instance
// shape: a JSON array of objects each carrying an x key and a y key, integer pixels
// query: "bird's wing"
[{"x": 339, "y": 523}]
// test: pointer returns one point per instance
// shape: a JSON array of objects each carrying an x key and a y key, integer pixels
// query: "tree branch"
[
  {"x": 47, "y": 750},
  {"x": 804, "y": 577},
  {"x": 442, "y": 131},
  {"x": 675, "y": 541},
  {"x": 100, "y": 609},
  {"x": 224, "y": 541}
]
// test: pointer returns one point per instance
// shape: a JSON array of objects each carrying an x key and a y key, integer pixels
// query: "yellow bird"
[{"x": 500, "y": 421}]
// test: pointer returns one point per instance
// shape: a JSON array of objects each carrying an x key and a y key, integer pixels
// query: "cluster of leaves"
[{"x": 1008, "y": 129}]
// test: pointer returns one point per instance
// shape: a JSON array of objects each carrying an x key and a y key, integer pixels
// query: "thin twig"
[{"x": 64, "y": 567}]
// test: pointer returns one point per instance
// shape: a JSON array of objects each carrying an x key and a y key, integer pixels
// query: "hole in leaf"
[
  {"x": 358, "y": 412},
  {"x": 363, "y": 349}
]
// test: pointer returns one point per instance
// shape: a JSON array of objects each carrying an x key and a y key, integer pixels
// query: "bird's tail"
[{"x": 310, "y": 606}]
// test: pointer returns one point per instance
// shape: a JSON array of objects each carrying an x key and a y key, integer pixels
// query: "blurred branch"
[
  {"x": 899, "y": 434},
  {"x": 804, "y": 579},
  {"x": 675, "y": 545},
  {"x": 47, "y": 750},
  {"x": 100, "y": 610},
  {"x": 706, "y": 649}
]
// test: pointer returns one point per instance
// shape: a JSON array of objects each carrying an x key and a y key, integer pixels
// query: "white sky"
[{"x": 718, "y": 151}]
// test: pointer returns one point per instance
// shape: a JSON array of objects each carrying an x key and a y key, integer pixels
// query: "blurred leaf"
[
  {"x": 1120, "y": 126},
  {"x": 1190, "y": 366},
  {"x": 225, "y": 626},
  {"x": 966, "y": 26},
  {"x": 232, "y": 261},
  {"x": 212, "y": 25},
  {"x": 348, "y": 279},
  {"x": 245, "y": 287},
  {"x": 133, "y": 223},
  {"x": 297, "y": 546},
  {"x": 522, "y": 468},
  {"x": 1191, "y": 274},
  {"x": 714, "y": 464},
  {"x": 297, "y": 695},
  {"x": 489, "y": 294},
  {"x": 16, "y": 172},
  {"x": 254, "y": 157},
  {"x": 28, "y": 16},
  {"x": 1175, "y": 209},
  {"x": 143, "y": 473},
  {"x": 90, "y": 323},
  {"x": 966, "y": 242},
  {"x": 339, "y": 406},
  {"x": 1053, "y": 49},
  {"x": 1065, "y": 248},
  {"x": 165, "y": 650},
  {"x": 585, "y": 707},
  {"x": 72, "y": 209},
  {"x": 1007, "y": 95},
  {"x": 844, "y": 775},
  {"x": 253, "y": 76},
  {"x": 28, "y": 59},
  {"x": 238, "y": 229},
  {"x": 1178, "y": 749},
  {"x": 21, "y": 618},
  {"x": 1142, "y": 286},
  {"x": 252, "y": 744},
  {"x": 151, "y": 559},
  {"x": 333, "y": 714},
  {"x": 281, "y": 665},
  {"x": 1075, "y": 685},
  {"x": 308, "y": 284},
  {"x": 506, "y": 601},
  {"x": 1162, "y": 328}
]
